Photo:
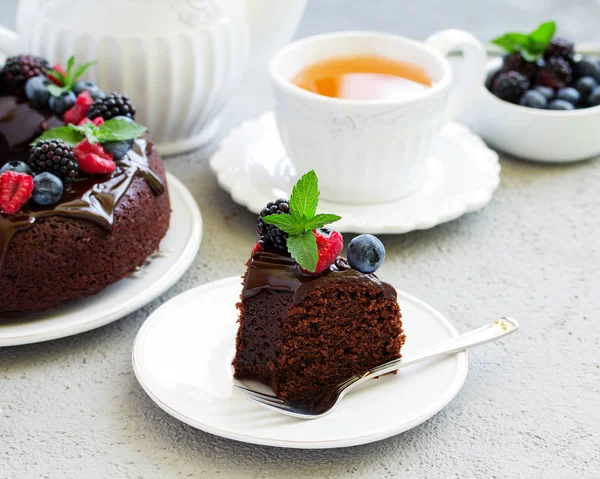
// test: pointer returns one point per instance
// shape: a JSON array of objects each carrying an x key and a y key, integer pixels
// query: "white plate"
[
  {"x": 182, "y": 358},
  {"x": 462, "y": 174},
  {"x": 177, "y": 251}
]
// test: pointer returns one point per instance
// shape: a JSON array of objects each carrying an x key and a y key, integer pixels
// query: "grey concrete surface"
[{"x": 72, "y": 408}]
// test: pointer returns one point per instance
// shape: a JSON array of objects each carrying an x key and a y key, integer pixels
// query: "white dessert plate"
[
  {"x": 182, "y": 358},
  {"x": 462, "y": 175},
  {"x": 177, "y": 251}
]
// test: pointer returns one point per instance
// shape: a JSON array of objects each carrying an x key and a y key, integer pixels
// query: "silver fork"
[{"x": 325, "y": 403}]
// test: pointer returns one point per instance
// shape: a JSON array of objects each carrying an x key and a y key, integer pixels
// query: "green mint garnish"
[
  {"x": 67, "y": 81},
  {"x": 531, "y": 46},
  {"x": 302, "y": 220},
  {"x": 115, "y": 129}
]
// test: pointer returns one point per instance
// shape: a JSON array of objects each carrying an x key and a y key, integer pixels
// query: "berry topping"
[
  {"x": 259, "y": 246},
  {"x": 516, "y": 63},
  {"x": 329, "y": 245},
  {"x": 15, "y": 190},
  {"x": 17, "y": 70},
  {"x": 271, "y": 233},
  {"x": 560, "y": 47},
  {"x": 90, "y": 87},
  {"x": 56, "y": 157},
  {"x": 111, "y": 106},
  {"x": 556, "y": 73},
  {"x": 544, "y": 90},
  {"x": 62, "y": 73},
  {"x": 118, "y": 148},
  {"x": 17, "y": 166},
  {"x": 594, "y": 98},
  {"x": 366, "y": 253},
  {"x": 533, "y": 99},
  {"x": 560, "y": 105},
  {"x": 588, "y": 67},
  {"x": 78, "y": 112},
  {"x": 586, "y": 85},
  {"x": 60, "y": 104},
  {"x": 37, "y": 91},
  {"x": 93, "y": 158},
  {"x": 569, "y": 94},
  {"x": 510, "y": 86},
  {"x": 47, "y": 189}
]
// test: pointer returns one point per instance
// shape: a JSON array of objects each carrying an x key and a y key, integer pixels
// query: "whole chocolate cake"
[
  {"x": 305, "y": 326},
  {"x": 83, "y": 197}
]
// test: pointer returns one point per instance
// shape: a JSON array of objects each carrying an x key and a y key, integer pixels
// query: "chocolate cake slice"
[{"x": 301, "y": 333}]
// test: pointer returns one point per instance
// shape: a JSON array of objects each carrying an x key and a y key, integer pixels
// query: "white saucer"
[
  {"x": 182, "y": 358},
  {"x": 462, "y": 174},
  {"x": 177, "y": 251}
]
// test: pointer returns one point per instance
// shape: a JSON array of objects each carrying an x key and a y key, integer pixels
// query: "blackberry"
[
  {"x": 516, "y": 63},
  {"x": 557, "y": 73},
  {"x": 560, "y": 47},
  {"x": 115, "y": 104},
  {"x": 56, "y": 157},
  {"x": 17, "y": 70},
  {"x": 510, "y": 86},
  {"x": 271, "y": 233}
]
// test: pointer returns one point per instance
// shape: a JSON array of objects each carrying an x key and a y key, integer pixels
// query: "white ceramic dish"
[
  {"x": 182, "y": 358},
  {"x": 177, "y": 251},
  {"x": 540, "y": 135},
  {"x": 461, "y": 174}
]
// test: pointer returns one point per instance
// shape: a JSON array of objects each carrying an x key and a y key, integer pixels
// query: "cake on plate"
[
  {"x": 309, "y": 319},
  {"x": 83, "y": 194}
]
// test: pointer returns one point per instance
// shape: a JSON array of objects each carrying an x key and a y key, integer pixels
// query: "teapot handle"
[{"x": 8, "y": 42}]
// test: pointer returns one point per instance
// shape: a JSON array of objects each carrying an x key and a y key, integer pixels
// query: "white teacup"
[{"x": 371, "y": 151}]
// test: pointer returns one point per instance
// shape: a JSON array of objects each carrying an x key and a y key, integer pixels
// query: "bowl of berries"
[{"x": 541, "y": 100}]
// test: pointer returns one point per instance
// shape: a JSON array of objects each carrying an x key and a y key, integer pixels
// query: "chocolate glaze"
[
  {"x": 269, "y": 269},
  {"x": 93, "y": 198},
  {"x": 20, "y": 124}
]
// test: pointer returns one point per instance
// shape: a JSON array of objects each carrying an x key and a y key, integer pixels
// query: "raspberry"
[
  {"x": 112, "y": 105},
  {"x": 56, "y": 157},
  {"x": 556, "y": 73},
  {"x": 96, "y": 121},
  {"x": 270, "y": 233},
  {"x": 17, "y": 70},
  {"x": 510, "y": 86},
  {"x": 516, "y": 63},
  {"x": 93, "y": 158},
  {"x": 329, "y": 245},
  {"x": 78, "y": 111},
  {"x": 15, "y": 190},
  {"x": 59, "y": 69},
  {"x": 560, "y": 47},
  {"x": 258, "y": 246}
]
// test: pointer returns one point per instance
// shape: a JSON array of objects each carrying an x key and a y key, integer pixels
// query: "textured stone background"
[{"x": 529, "y": 408}]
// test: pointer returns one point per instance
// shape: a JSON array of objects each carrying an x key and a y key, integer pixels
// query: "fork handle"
[{"x": 485, "y": 334}]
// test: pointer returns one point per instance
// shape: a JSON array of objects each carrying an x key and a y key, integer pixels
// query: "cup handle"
[
  {"x": 473, "y": 68},
  {"x": 8, "y": 42}
]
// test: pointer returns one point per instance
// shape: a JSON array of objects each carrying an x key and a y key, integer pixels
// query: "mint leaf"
[
  {"x": 56, "y": 90},
  {"x": 65, "y": 133},
  {"x": 512, "y": 42},
  {"x": 286, "y": 223},
  {"x": 117, "y": 129},
  {"x": 303, "y": 248},
  {"x": 305, "y": 196},
  {"x": 531, "y": 46},
  {"x": 543, "y": 34},
  {"x": 321, "y": 220},
  {"x": 81, "y": 69}
]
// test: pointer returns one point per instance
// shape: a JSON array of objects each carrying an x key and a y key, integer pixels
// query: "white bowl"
[{"x": 547, "y": 136}]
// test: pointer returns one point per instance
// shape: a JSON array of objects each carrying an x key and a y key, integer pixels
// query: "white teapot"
[{"x": 178, "y": 60}]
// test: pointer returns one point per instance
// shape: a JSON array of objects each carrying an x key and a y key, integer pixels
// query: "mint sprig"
[
  {"x": 302, "y": 220},
  {"x": 531, "y": 46},
  {"x": 67, "y": 81},
  {"x": 115, "y": 129}
]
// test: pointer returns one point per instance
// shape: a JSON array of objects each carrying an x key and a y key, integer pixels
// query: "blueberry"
[
  {"x": 569, "y": 94},
  {"x": 47, "y": 189},
  {"x": 17, "y": 166},
  {"x": 118, "y": 148},
  {"x": 560, "y": 105},
  {"x": 585, "y": 85},
  {"x": 546, "y": 91},
  {"x": 534, "y": 99},
  {"x": 594, "y": 98},
  {"x": 126, "y": 118},
  {"x": 83, "y": 85},
  {"x": 60, "y": 104},
  {"x": 36, "y": 90},
  {"x": 588, "y": 67},
  {"x": 366, "y": 253}
]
